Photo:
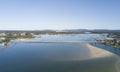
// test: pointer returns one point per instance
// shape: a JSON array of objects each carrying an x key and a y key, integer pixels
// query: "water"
[
  {"x": 72, "y": 37},
  {"x": 57, "y": 53}
]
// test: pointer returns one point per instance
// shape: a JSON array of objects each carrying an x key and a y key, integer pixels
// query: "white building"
[
  {"x": 2, "y": 38},
  {"x": 2, "y": 34},
  {"x": 23, "y": 34}
]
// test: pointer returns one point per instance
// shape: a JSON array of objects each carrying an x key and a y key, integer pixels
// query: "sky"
[{"x": 59, "y": 14}]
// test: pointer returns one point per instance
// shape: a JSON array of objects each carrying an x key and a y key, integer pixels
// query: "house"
[
  {"x": 23, "y": 34},
  {"x": 118, "y": 40},
  {"x": 2, "y": 34},
  {"x": 2, "y": 38},
  {"x": 14, "y": 34}
]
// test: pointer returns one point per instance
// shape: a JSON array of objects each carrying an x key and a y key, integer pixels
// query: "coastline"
[
  {"x": 23, "y": 39},
  {"x": 97, "y": 52}
]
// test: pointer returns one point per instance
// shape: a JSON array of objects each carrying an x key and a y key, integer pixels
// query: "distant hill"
[
  {"x": 105, "y": 31},
  {"x": 69, "y": 30},
  {"x": 93, "y": 31},
  {"x": 76, "y": 30}
]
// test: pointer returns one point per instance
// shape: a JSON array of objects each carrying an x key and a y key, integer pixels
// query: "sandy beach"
[
  {"x": 101, "y": 53},
  {"x": 98, "y": 52}
]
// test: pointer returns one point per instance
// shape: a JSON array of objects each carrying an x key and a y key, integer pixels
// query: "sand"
[{"x": 98, "y": 52}]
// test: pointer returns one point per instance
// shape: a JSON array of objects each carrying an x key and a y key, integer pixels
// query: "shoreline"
[
  {"x": 97, "y": 52},
  {"x": 107, "y": 48},
  {"x": 104, "y": 53}
]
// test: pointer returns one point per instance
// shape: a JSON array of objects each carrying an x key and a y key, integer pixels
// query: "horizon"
[
  {"x": 58, "y": 29},
  {"x": 59, "y": 14}
]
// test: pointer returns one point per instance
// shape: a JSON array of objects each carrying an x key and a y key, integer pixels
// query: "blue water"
[
  {"x": 108, "y": 48},
  {"x": 59, "y": 56},
  {"x": 71, "y": 37}
]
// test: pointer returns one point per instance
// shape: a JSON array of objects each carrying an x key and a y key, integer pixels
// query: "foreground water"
[{"x": 58, "y": 53}]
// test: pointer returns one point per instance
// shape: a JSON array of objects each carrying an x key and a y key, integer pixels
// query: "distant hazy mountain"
[
  {"x": 76, "y": 30},
  {"x": 95, "y": 30},
  {"x": 69, "y": 30},
  {"x": 105, "y": 30}
]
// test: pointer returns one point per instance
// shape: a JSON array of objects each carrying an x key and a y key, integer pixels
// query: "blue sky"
[{"x": 59, "y": 14}]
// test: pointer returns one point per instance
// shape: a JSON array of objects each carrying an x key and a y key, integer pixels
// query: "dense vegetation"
[
  {"x": 11, "y": 36},
  {"x": 114, "y": 41}
]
